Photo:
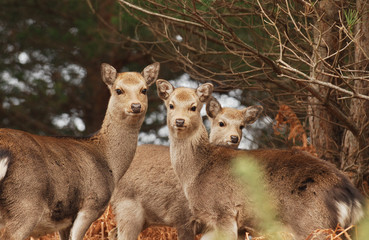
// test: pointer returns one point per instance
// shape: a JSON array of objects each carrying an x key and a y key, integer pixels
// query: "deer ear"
[
  {"x": 108, "y": 74},
  {"x": 151, "y": 72},
  {"x": 204, "y": 91},
  {"x": 164, "y": 88},
  {"x": 213, "y": 107},
  {"x": 252, "y": 113}
]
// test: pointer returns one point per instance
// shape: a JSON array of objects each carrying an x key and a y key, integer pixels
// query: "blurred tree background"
[
  {"x": 51, "y": 52},
  {"x": 306, "y": 62}
]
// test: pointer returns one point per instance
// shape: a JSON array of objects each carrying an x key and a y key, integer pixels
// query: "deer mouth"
[
  {"x": 134, "y": 113},
  {"x": 182, "y": 128},
  {"x": 230, "y": 143}
]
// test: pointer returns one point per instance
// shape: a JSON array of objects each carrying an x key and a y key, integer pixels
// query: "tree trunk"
[
  {"x": 98, "y": 95},
  {"x": 324, "y": 133},
  {"x": 355, "y": 152}
]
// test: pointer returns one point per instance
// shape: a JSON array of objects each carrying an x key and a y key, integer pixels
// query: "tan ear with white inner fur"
[
  {"x": 108, "y": 74},
  {"x": 164, "y": 88},
  {"x": 252, "y": 113},
  {"x": 204, "y": 91},
  {"x": 213, "y": 107},
  {"x": 151, "y": 72}
]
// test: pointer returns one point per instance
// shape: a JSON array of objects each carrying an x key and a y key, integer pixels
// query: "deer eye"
[
  {"x": 193, "y": 108},
  {"x": 221, "y": 124},
  {"x": 171, "y": 106},
  {"x": 118, "y": 91},
  {"x": 144, "y": 91},
  {"x": 242, "y": 127}
]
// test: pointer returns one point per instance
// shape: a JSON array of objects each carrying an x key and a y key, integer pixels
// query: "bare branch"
[{"x": 159, "y": 15}]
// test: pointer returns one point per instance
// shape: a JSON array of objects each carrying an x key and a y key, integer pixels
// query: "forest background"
[{"x": 306, "y": 62}]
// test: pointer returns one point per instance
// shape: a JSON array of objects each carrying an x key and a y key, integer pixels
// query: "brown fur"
[
  {"x": 149, "y": 194},
  {"x": 64, "y": 184},
  {"x": 308, "y": 193}
]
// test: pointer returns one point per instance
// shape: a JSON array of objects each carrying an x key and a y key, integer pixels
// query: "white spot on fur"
[
  {"x": 3, "y": 167},
  {"x": 343, "y": 212},
  {"x": 348, "y": 215}
]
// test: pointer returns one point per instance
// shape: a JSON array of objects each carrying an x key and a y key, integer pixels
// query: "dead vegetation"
[
  {"x": 100, "y": 229},
  {"x": 286, "y": 117}
]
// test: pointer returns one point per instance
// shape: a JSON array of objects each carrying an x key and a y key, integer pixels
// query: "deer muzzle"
[
  {"x": 180, "y": 122},
  {"x": 136, "y": 107},
  {"x": 234, "y": 139}
]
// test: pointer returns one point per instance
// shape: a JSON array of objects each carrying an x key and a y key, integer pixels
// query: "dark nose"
[
  {"x": 234, "y": 139},
  {"x": 180, "y": 122},
  {"x": 136, "y": 107}
]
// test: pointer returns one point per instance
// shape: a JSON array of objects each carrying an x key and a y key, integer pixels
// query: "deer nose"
[
  {"x": 136, "y": 107},
  {"x": 180, "y": 122},
  {"x": 234, "y": 139}
]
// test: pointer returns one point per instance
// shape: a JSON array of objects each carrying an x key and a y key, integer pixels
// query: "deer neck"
[
  {"x": 189, "y": 155},
  {"x": 118, "y": 139}
]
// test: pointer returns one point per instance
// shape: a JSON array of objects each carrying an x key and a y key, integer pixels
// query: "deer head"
[
  {"x": 128, "y": 91},
  {"x": 183, "y": 107},
  {"x": 227, "y": 123}
]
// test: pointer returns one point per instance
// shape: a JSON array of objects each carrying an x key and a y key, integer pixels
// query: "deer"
[
  {"x": 149, "y": 194},
  {"x": 62, "y": 184},
  {"x": 227, "y": 123},
  {"x": 307, "y": 192}
]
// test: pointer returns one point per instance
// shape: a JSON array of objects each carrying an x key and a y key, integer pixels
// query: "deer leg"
[
  {"x": 185, "y": 232},
  {"x": 19, "y": 231},
  {"x": 84, "y": 219},
  {"x": 225, "y": 229},
  {"x": 64, "y": 234},
  {"x": 22, "y": 221},
  {"x": 130, "y": 217}
]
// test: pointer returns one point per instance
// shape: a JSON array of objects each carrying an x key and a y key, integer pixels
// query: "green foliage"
[
  {"x": 251, "y": 176},
  {"x": 64, "y": 45},
  {"x": 352, "y": 18}
]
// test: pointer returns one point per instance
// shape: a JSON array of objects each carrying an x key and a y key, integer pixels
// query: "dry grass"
[{"x": 100, "y": 229}]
